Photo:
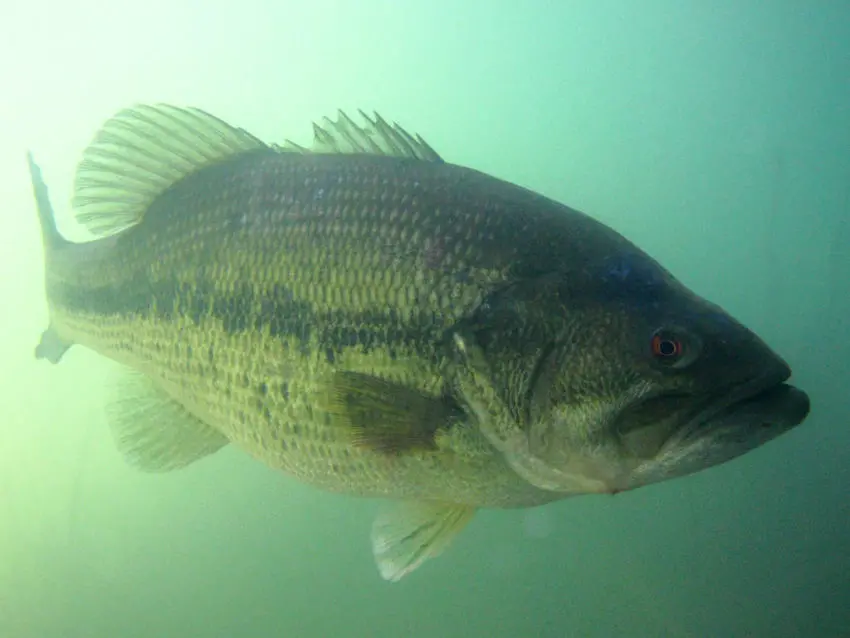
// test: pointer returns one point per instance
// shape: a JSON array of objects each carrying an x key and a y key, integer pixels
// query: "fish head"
[{"x": 644, "y": 381}]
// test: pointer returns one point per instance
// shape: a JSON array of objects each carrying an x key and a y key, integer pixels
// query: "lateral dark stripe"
[{"x": 243, "y": 310}]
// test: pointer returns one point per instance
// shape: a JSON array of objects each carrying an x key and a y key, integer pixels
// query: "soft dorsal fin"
[
  {"x": 375, "y": 137},
  {"x": 142, "y": 151}
]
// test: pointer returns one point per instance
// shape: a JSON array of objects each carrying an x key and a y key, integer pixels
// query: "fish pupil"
[{"x": 666, "y": 347}]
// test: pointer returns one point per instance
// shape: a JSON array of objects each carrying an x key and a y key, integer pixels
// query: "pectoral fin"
[
  {"x": 409, "y": 533},
  {"x": 152, "y": 431},
  {"x": 386, "y": 416}
]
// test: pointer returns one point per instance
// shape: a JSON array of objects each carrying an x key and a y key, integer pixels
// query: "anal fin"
[
  {"x": 410, "y": 533},
  {"x": 152, "y": 431}
]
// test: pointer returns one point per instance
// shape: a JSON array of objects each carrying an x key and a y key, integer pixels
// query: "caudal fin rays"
[
  {"x": 51, "y": 346},
  {"x": 46, "y": 217}
]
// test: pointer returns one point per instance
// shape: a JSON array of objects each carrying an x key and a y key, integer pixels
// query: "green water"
[{"x": 716, "y": 135}]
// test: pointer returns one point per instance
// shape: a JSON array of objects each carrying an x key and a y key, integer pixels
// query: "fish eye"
[
  {"x": 673, "y": 348},
  {"x": 666, "y": 347}
]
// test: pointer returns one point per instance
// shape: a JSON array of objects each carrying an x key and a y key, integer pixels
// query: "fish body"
[{"x": 373, "y": 320}]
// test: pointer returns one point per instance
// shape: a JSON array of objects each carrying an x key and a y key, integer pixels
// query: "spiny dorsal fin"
[
  {"x": 142, "y": 151},
  {"x": 375, "y": 137}
]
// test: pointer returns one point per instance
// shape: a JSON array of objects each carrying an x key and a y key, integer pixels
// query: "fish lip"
[
  {"x": 760, "y": 389},
  {"x": 721, "y": 434}
]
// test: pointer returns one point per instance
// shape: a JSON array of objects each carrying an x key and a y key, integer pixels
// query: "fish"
[{"x": 373, "y": 320}]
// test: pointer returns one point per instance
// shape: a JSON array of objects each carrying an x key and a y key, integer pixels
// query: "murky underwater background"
[{"x": 716, "y": 135}]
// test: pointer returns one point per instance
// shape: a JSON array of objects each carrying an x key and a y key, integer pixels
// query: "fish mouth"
[
  {"x": 747, "y": 419},
  {"x": 760, "y": 410}
]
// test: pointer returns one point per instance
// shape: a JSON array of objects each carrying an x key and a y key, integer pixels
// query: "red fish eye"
[{"x": 666, "y": 347}]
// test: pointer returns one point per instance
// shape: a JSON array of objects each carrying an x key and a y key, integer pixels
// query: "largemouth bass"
[{"x": 374, "y": 320}]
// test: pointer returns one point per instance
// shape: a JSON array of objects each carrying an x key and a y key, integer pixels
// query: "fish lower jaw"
[
  {"x": 612, "y": 484},
  {"x": 581, "y": 477}
]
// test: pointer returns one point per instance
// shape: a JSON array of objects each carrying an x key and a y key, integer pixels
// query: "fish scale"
[{"x": 281, "y": 289}]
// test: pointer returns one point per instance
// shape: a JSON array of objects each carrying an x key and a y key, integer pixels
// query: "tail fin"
[
  {"x": 49, "y": 232},
  {"x": 51, "y": 346}
]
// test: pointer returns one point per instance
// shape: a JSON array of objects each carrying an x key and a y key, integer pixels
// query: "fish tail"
[
  {"x": 49, "y": 233},
  {"x": 51, "y": 346}
]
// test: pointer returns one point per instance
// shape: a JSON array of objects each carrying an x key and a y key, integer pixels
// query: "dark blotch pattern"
[{"x": 243, "y": 310}]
